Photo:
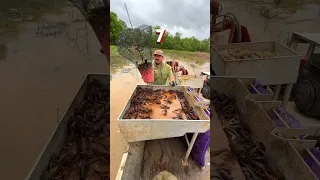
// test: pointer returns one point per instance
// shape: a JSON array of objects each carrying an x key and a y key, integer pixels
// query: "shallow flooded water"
[{"x": 41, "y": 70}]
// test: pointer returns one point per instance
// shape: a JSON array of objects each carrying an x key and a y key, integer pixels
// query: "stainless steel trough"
[
  {"x": 59, "y": 136},
  {"x": 281, "y": 145},
  {"x": 270, "y": 71},
  {"x": 149, "y": 129}
]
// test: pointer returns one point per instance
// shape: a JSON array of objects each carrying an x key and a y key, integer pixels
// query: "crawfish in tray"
[{"x": 145, "y": 101}]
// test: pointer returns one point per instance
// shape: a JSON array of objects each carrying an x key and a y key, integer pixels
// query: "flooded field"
[{"x": 43, "y": 62}]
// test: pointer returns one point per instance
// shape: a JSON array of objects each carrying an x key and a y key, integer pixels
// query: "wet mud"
[{"x": 167, "y": 155}]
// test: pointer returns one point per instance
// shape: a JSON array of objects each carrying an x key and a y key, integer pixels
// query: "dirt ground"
[
  {"x": 40, "y": 75},
  {"x": 167, "y": 155},
  {"x": 123, "y": 84}
]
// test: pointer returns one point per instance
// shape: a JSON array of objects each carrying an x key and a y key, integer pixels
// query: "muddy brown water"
[
  {"x": 40, "y": 75},
  {"x": 122, "y": 84}
]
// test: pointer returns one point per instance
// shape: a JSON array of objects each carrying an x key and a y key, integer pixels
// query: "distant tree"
[
  {"x": 170, "y": 41},
  {"x": 116, "y": 26}
]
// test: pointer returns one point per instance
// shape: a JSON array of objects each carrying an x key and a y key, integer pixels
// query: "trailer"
[{"x": 288, "y": 148}]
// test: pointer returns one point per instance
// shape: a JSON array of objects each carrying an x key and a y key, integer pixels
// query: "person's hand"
[{"x": 173, "y": 84}]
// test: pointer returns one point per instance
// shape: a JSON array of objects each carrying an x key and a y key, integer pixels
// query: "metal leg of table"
[
  {"x": 310, "y": 51},
  {"x": 286, "y": 95},
  {"x": 193, "y": 139},
  {"x": 276, "y": 92}
]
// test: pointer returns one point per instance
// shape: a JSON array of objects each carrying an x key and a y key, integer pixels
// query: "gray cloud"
[{"x": 189, "y": 17}]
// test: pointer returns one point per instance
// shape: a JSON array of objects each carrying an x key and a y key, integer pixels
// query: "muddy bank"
[{"x": 39, "y": 80}]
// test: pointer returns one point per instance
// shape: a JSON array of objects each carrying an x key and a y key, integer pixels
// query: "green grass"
[
  {"x": 117, "y": 61},
  {"x": 199, "y": 58}
]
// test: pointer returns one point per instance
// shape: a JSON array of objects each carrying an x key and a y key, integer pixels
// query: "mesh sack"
[
  {"x": 200, "y": 147},
  {"x": 135, "y": 44}
]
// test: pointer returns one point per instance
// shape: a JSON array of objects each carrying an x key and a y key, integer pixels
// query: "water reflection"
[
  {"x": 46, "y": 61},
  {"x": 14, "y": 14}
]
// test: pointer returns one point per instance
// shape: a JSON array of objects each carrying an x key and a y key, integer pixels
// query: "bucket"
[{"x": 146, "y": 72}]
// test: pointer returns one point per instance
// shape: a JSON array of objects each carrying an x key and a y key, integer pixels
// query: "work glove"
[{"x": 172, "y": 83}]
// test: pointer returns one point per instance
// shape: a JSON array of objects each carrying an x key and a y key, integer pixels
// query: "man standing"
[{"x": 162, "y": 71}]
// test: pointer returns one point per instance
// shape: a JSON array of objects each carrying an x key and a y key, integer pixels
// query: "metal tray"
[
  {"x": 148, "y": 129},
  {"x": 59, "y": 135},
  {"x": 277, "y": 70},
  {"x": 283, "y": 151},
  {"x": 193, "y": 81}
]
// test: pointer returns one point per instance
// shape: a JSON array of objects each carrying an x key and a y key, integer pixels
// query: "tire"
[{"x": 304, "y": 96}]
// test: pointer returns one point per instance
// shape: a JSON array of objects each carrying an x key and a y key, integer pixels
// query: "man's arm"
[{"x": 171, "y": 76}]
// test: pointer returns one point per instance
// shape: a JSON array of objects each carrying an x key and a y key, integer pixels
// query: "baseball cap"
[{"x": 158, "y": 52}]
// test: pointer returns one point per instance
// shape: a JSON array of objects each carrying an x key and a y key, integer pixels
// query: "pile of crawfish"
[
  {"x": 249, "y": 152},
  {"x": 85, "y": 154},
  {"x": 222, "y": 173},
  {"x": 145, "y": 96},
  {"x": 185, "y": 107}
]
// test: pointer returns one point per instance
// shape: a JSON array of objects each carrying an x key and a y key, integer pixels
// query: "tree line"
[{"x": 170, "y": 41}]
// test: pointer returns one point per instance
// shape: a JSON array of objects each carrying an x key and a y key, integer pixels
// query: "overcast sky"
[{"x": 189, "y": 17}]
